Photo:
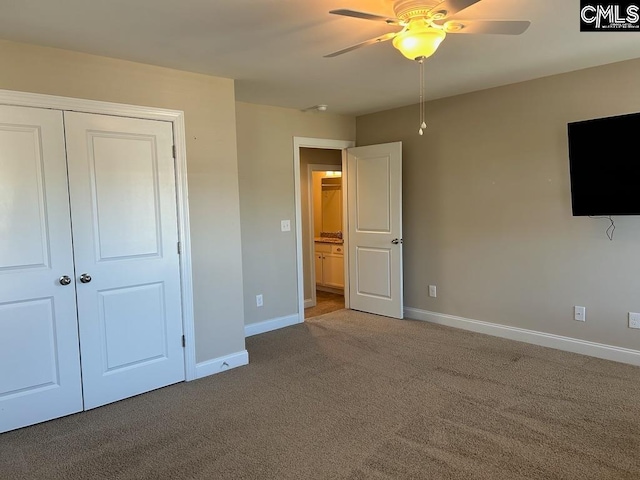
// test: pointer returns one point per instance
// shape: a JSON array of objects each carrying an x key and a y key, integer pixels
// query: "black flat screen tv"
[{"x": 604, "y": 162}]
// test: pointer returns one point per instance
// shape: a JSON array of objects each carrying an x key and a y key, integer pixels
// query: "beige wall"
[
  {"x": 487, "y": 207},
  {"x": 327, "y": 204},
  {"x": 209, "y": 107},
  {"x": 267, "y": 196},
  {"x": 312, "y": 156}
]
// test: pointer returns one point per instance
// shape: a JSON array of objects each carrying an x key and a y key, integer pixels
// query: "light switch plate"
[{"x": 285, "y": 225}]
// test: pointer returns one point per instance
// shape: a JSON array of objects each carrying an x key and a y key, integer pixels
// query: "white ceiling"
[{"x": 274, "y": 48}]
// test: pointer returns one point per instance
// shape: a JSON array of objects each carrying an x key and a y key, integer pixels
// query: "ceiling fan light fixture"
[{"x": 418, "y": 40}]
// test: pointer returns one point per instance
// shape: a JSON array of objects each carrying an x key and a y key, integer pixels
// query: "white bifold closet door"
[
  {"x": 109, "y": 226},
  {"x": 39, "y": 356},
  {"x": 125, "y": 238}
]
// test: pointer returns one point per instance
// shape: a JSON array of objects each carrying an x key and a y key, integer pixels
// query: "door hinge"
[
  {"x": 173, "y": 151},
  {"x": 179, "y": 248},
  {"x": 184, "y": 342}
]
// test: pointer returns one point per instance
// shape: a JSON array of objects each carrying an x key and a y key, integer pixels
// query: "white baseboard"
[
  {"x": 222, "y": 364},
  {"x": 324, "y": 288},
  {"x": 309, "y": 303},
  {"x": 273, "y": 324},
  {"x": 584, "y": 347}
]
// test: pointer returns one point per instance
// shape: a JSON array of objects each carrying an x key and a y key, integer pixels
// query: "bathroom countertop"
[{"x": 328, "y": 240}]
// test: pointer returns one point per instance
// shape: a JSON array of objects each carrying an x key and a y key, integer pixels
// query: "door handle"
[
  {"x": 396, "y": 241},
  {"x": 65, "y": 280},
  {"x": 85, "y": 278}
]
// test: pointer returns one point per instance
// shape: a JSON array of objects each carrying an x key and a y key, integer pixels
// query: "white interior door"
[
  {"x": 123, "y": 206},
  {"x": 39, "y": 356},
  {"x": 374, "y": 196}
]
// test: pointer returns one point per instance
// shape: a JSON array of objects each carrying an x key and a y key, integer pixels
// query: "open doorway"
[
  {"x": 320, "y": 155},
  {"x": 325, "y": 283},
  {"x": 372, "y": 228}
]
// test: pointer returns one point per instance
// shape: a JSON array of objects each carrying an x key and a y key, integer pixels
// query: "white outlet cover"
[
  {"x": 285, "y": 225},
  {"x": 433, "y": 291},
  {"x": 634, "y": 320},
  {"x": 580, "y": 314}
]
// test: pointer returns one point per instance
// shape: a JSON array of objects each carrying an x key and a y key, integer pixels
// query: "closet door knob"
[
  {"x": 65, "y": 280},
  {"x": 85, "y": 278}
]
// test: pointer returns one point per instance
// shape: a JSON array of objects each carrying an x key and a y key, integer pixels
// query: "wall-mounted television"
[{"x": 604, "y": 162}]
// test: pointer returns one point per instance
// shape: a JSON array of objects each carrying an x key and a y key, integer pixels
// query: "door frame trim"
[
  {"x": 328, "y": 144},
  {"x": 176, "y": 117}
]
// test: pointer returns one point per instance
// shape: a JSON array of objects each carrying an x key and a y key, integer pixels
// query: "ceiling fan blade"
[
  {"x": 382, "y": 38},
  {"x": 365, "y": 16},
  {"x": 451, "y": 7},
  {"x": 500, "y": 27}
]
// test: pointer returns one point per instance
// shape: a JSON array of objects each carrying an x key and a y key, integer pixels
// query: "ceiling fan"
[{"x": 425, "y": 24}]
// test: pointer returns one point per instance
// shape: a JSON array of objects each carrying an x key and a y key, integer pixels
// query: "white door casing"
[
  {"x": 39, "y": 353},
  {"x": 374, "y": 197},
  {"x": 305, "y": 142},
  {"x": 123, "y": 207}
]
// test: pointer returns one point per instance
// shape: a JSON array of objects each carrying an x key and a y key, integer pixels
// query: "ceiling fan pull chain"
[
  {"x": 421, "y": 67},
  {"x": 424, "y": 98},
  {"x": 421, "y": 105}
]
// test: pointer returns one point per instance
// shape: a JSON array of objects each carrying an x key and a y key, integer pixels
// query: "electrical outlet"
[
  {"x": 634, "y": 320},
  {"x": 285, "y": 225},
  {"x": 259, "y": 300},
  {"x": 432, "y": 291},
  {"x": 580, "y": 314}
]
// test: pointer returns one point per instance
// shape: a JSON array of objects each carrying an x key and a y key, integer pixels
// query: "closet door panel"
[
  {"x": 39, "y": 353},
  {"x": 123, "y": 206}
]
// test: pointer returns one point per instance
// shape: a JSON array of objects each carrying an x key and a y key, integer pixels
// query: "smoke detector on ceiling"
[{"x": 319, "y": 108}]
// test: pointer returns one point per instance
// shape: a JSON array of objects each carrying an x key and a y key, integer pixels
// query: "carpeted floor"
[{"x": 354, "y": 396}]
